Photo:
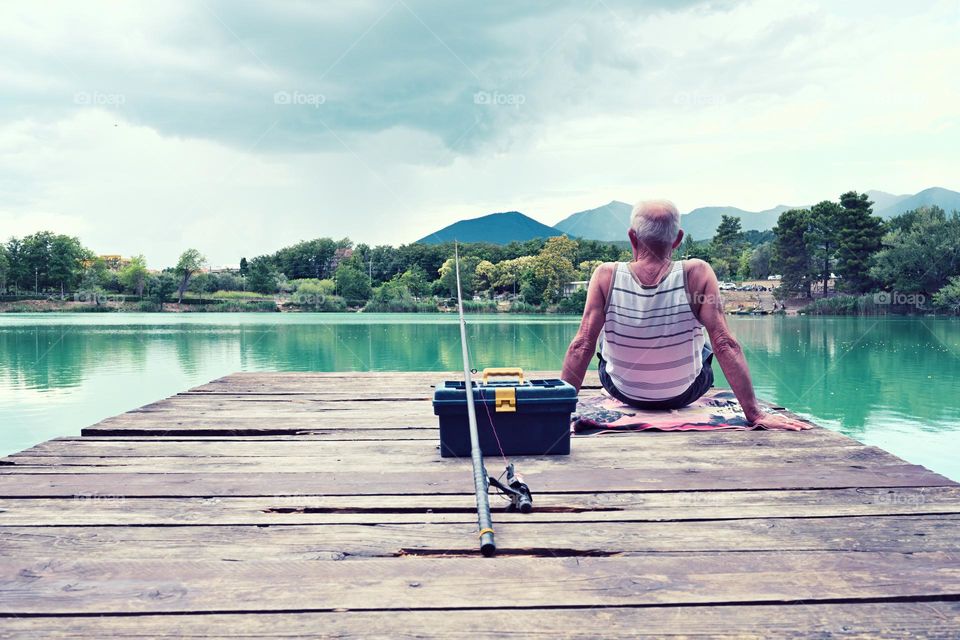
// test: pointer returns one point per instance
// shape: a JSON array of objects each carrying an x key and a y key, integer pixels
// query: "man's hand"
[{"x": 778, "y": 421}]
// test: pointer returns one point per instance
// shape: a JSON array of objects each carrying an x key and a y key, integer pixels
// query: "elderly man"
[{"x": 650, "y": 315}]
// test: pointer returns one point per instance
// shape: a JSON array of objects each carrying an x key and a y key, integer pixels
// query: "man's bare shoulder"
[
  {"x": 699, "y": 272},
  {"x": 604, "y": 271}
]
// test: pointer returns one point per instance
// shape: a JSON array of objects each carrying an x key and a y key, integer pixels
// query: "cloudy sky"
[{"x": 239, "y": 127}]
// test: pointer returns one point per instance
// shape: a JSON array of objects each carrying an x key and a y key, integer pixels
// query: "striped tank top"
[{"x": 651, "y": 341}]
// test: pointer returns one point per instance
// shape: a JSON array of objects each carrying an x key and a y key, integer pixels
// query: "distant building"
[
  {"x": 577, "y": 285},
  {"x": 339, "y": 256},
  {"x": 226, "y": 268},
  {"x": 114, "y": 262}
]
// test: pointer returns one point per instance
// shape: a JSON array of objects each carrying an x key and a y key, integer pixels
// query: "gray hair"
[{"x": 655, "y": 222}]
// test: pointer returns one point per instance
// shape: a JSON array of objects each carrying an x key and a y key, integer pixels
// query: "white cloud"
[{"x": 750, "y": 104}]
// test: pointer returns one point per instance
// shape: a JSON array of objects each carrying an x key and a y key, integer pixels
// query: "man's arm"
[
  {"x": 709, "y": 308},
  {"x": 584, "y": 344}
]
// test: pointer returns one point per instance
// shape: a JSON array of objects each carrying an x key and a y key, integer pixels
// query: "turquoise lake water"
[{"x": 890, "y": 382}]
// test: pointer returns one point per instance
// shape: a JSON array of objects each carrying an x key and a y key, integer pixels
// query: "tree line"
[{"x": 917, "y": 252}]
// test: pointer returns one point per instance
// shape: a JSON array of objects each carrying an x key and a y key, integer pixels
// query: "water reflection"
[{"x": 884, "y": 381}]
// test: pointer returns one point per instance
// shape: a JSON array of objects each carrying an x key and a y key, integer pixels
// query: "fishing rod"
[{"x": 488, "y": 545}]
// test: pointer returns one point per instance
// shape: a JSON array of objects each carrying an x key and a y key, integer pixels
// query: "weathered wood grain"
[
  {"x": 316, "y": 504},
  {"x": 150, "y": 586},
  {"x": 718, "y": 444},
  {"x": 189, "y": 484},
  {"x": 418, "y": 455},
  {"x": 861, "y": 621},
  {"x": 904, "y": 534},
  {"x": 109, "y": 509}
]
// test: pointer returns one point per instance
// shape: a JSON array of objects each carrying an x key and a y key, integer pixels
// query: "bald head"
[{"x": 655, "y": 225}]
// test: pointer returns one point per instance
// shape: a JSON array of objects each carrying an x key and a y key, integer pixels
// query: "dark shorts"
[{"x": 696, "y": 389}]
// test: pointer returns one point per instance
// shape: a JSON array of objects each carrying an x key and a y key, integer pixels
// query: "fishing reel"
[{"x": 516, "y": 490}]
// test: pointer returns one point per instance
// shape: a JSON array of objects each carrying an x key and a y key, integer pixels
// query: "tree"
[
  {"x": 728, "y": 243},
  {"x": 509, "y": 273},
  {"x": 134, "y": 275},
  {"x": 760, "y": 260},
  {"x": 160, "y": 288},
  {"x": 243, "y": 266},
  {"x": 825, "y": 218},
  {"x": 415, "y": 280},
  {"x": 4, "y": 268},
  {"x": 561, "y": 248},
  {"x": 189, "y": 263},
  {"x": 859, "y": 234},
  {"x": 468, "y": 276},
  {"x": 307, "y": 259},
  {"x": 791, "y": 250},
  {"x": 552, "y": 269},
  {"x": 743, "y": 263},
  {"x": 262, "y": 275},
  {"x": 920, "y": 253},
  {"x": 948, "y": 297},
  {"x": 67, "y": 255},
  {"x": 352, "y": 284}
]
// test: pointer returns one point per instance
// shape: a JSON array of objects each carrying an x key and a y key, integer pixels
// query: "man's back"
[{"x": 651, "y": 340}]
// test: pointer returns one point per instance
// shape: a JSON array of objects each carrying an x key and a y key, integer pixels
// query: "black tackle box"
[{"x": 514, "y": 416}]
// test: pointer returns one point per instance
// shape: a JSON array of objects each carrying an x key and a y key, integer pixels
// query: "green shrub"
[
  {"x": 574, "y": 303},
  {"x": 235, "y": 295},
  {"x": 519, "y": 306},
  {"x": 480, "y": 306},
  {"x": 400, "y": 306},
  {"x": 948, "y": 297},
  {"x": 146, "y": 306}
]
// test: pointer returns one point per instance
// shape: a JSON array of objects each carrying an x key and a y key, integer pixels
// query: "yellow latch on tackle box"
[{"x": 505, "y": 399}]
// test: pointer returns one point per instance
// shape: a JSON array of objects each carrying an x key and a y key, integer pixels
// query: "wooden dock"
[{"x": 317, "y": 505}]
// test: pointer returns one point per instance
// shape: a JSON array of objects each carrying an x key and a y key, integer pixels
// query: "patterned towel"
[{"x": 717, "y": 409}]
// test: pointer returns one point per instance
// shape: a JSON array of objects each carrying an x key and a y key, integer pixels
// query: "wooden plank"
[
  {"x": 113, "y": 586},
  {"x": 904, "y": 534},
  {"x": 428, "y": 458},
  {"x": 717, "y": 444},
  {"x": 110, "y": 509},
  {"x": 859, "y": 621},
  {"x": 24, "y": 484}
]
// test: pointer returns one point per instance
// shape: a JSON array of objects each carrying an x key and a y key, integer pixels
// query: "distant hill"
[
  {"x": 497, "y": 228},
  {"x": 944, "y": 198},
  {"x": 608, "y": 222},
  {"x": 702, "y": 223},
  {"x": 881, "y": 199}
]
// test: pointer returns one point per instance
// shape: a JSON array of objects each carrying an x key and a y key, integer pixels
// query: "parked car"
[
  {"x": 728, "y": 286},
  {"x": 774, "y": 277}
]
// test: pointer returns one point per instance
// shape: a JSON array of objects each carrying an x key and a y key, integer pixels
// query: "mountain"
[
  {"x": 608, "y": 222},
  {"x": 702, "y": 223},
  {"x": 944, "y": 198},
  {"x": 497, "y": 228},
  {"x": 881, "y": 199}
]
